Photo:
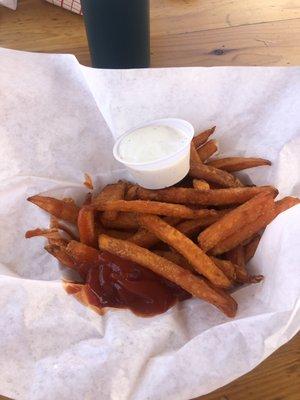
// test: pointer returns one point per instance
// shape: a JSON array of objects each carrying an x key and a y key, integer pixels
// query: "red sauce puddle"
[{"x": 114, "y": 282}]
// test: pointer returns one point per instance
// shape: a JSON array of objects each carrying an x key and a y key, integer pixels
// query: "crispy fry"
[
  {"x": 226, "y": 266},
  {"x": 237, "y": 257},
  {"x": 200, "y": 184},
  {"x": 51, "y": 233},
  {"x": 207, "y": 150},
  {"x": 147, "y": 239},
  {"x": 115, "y": 191},
  {"x": 88, "y": 182},
  {"x": 154, "y": 207},
  {"x": 176, "y": 258},
  {"x": 213, "y": 197},
  {"x": 88, "y": 199},
  {"x": 286, "y": 203},
  {"x": 232, "y": 164},
  {"x": 183, "y": 278},
  {"x": 59, "y": 252},
  {"x": 202, "y": 137},
  {"x": 196, "y": 257},
  {"x": 131, "y": 192},
  {"x": 86, "y": 227},
  {"x": 234, "y": 220},
  {"x": 81, "y": 253},
  {"x": 214, "y": 175},
  {"x": 192, "y": 226},
  {"x": 125, "y": 221},
  {"x": 251, "y": 247},
  {"x": 194, "y": 156},
  {"x": 248, "y": 230},
  {"x": 59, "y": 208},
  {"x": 119, "y": 234}
]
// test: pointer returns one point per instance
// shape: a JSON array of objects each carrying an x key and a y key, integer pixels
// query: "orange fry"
[
  {"x": 154, "y": 207},
  {"x": 86, "y": 227},
  {"x": 232, "y": 164},
  {"x": 214, "y": 175},
  {"x": 115, "y": 191},
  {"x": 248, "y": 230},
  {"x": 176, "y": 258},
  {"x": 119, "y": 234},
  {"x": 51, "y": 233},
  {"x": 202, "y": 137},
  {"x": 81, "y": 253},
  {"x": 147, "y": 239},
  {"x": 88, "y": 182},
  {"x": 59, "y": 208},
  {"x": 196, "y": 257},
  {"x": 197, "y": 286},
  {"x": 234, "y": 220},
  {"x": 125, "y": 221},
  {"x": 226, "y": 266},
  {"x": 212, "y": 197},
  {"x": 194, "y": 157},
  {"x": 61, "y": 255},
  {"x": 251, "y": 247},
  {"x": 286, "y": 203},
  {"x": 200, "y": 184},
  {"x": 237, "y": 256},
  {"x": 207, "y": 150}
]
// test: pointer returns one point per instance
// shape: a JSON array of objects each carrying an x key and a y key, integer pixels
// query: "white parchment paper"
[
  {"x": 9, "y": 3},
  {"x": 56, "y": 123}
]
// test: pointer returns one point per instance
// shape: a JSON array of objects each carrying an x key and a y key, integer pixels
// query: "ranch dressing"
[
  {"x": 151, "y": 143},
  {"x": 156, "y": 154}
]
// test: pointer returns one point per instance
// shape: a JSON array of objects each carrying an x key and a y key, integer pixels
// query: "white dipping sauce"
[
  {"x": 151, "y": 143},
  {"x": 156, "y": 155}
]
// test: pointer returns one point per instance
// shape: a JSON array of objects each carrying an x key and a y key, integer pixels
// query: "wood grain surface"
[{"x": 186, "y": 33}]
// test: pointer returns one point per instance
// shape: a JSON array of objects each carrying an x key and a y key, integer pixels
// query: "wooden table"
[{"x": 187, "y": 33}]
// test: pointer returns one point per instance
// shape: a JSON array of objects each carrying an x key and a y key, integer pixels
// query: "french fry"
[
  {"x": 176, "y": 258},
  {"x": 115, "y": 191},
  {"x": 226, "y": 266},
  {"x": 86, "y": 227},
  {"x": 197, "y": 286},
  {"x": 213, "y": 197},
  {"x": 192, "y": 226},
  {"x": 202, "y": 137},
  {"x": 125, "y": 221},
  {"x": 88, "y": 199},
  {"x": 61, "y": 209},
  {"x": 119, "y": 234},
  {"x": 214, "y": 175},
  {"x": 196, "y": 257},
  {"x": 147, "y": 239},
  {"x": 194, "y": 156},
  {"x": 232, "y": 164},
  {"x": 88, "y": 182},
  {"x": 234, "y": 220},
  {"x": 200, "y": 184},
  {"x": 251, "y": 247},
  {"x": 207, "y": 150},
  {"x": 59, "y": 252},
  {"x": 131, "y": 192},
  {"x": 81, "y": 253},
  {"x": 237, "y": 257},
  {"x": 286, "y": 203},
  {"x": 249, "y": 230},
  {"x": 51, "y": 233},
  {"x": 154, "y": 207}
]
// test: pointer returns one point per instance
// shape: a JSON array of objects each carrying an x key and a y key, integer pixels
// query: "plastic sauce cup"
[{"x": 165, "y": 171}]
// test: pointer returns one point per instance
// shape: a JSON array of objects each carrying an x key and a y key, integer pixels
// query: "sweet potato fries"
[{"x": 198, "y": 236}]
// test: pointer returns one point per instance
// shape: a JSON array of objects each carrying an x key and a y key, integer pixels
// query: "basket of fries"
[{"x": 111, "y": 289}]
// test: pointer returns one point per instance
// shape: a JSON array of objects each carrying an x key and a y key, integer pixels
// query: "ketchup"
[{"x": 118, "y": 283}]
